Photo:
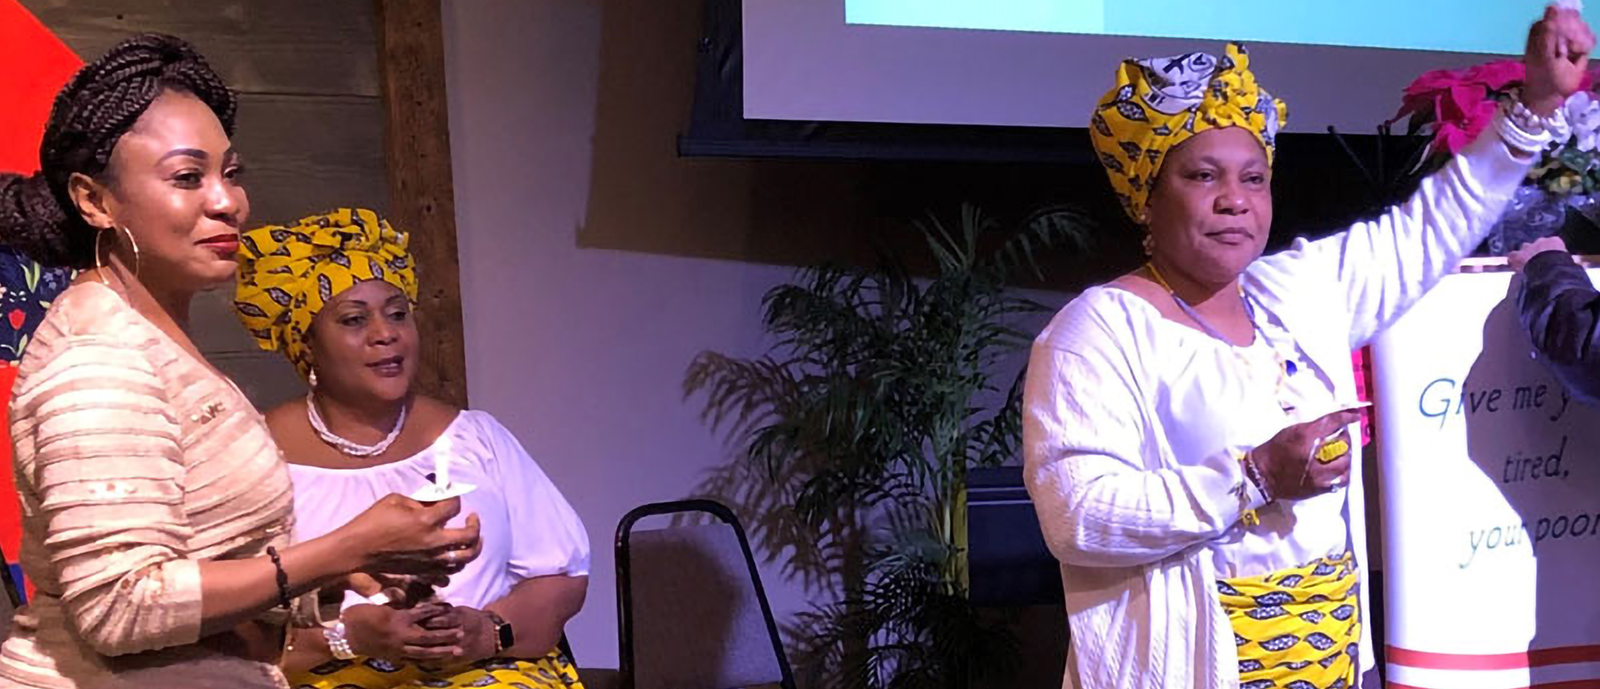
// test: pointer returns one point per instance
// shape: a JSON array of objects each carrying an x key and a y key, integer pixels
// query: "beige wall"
[
  {"x": 595, "y": 263},
  {"x": 581, "y": 351}
]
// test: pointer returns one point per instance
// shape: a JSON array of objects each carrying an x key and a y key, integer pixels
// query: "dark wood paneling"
[
  {"x": 221, "y": 331},
  {"x": 304, "y": 155},
  {"x": 266, "y": 378},
  {"x": 422, "y": 200},
  {"x": 259, "y": 46}
]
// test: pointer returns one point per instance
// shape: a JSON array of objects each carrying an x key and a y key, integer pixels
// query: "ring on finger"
[{"x": 1331, "y": 450}]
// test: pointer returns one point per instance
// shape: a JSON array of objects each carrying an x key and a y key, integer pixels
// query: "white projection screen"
[{"x": 1044, "y": 62}]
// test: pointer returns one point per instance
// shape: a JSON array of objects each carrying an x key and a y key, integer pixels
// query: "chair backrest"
[{"x": 691, "y": 611}]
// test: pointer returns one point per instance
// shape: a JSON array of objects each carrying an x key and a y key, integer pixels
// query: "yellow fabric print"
[
  {"x": 1160, "y": 103},
  {"x": 287, "y": 274},
  {"x": 1297, "y": 628},
  {"x": 554, "y": 671}
]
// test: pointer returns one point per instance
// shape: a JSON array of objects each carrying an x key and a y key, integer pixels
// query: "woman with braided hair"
[{"x": 156, "y": 508}]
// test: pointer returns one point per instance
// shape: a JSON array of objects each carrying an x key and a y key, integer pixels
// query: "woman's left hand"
[
  {"x": 1556, "y": 58},
  {"x": 478, "y": 632}
]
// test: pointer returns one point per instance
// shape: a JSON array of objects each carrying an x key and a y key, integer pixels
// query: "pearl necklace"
[{"x": 346, "y": 446}]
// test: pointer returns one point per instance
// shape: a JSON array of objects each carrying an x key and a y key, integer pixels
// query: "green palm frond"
[
  {"x": 1052, "y": 227},
  {"x": 875, "y": 399}
]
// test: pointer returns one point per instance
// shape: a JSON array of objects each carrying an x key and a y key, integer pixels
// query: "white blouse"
[
  {"x": 527, "y": 527},
  {"x": 1216, "y": 399}
]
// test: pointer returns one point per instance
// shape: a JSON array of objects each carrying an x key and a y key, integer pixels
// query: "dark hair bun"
[{"x": 31, "y": 220}]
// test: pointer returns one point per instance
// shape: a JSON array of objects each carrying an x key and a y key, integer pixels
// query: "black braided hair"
[{"x": 92, "y": 112}]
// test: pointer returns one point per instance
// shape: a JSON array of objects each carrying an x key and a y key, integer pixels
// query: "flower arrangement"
[{"x": 1452, "y": 107}]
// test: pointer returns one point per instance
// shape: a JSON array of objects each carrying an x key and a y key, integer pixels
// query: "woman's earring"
[
  {"x": 99, "y": 265},
  {"x": 133, "y": 244},
  {"x": 311, "y": 378},
  {"x": 138, "y": 261},
  {"x": 1149, "y": 245}
]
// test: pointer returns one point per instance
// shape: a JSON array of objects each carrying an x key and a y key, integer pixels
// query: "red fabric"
[
  {"x": 1358, "y": 359},
  {"x": 36, "y": 65}
]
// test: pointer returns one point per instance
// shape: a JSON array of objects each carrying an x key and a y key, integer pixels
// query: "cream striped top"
[{"x": 134, "y": 461}]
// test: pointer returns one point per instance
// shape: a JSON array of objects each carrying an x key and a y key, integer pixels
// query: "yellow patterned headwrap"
[
  {"x": 1162, "y": 102},
  {"x": 287, "y": 274}
]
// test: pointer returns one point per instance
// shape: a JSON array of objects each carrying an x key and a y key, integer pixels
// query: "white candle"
[{"x": 441, "y": 464}]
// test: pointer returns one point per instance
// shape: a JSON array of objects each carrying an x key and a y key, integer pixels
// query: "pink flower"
[
  {"x": 1457, "y": 104},
  {"x": 1435, "y": 80},
  {"x": 1497, "y": 75},
  {"x": 1422, "y": 96},
  {"x": 1462, "y": 112}
]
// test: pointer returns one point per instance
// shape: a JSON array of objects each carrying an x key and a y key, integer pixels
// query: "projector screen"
[{"x": 1045, "y": 62}]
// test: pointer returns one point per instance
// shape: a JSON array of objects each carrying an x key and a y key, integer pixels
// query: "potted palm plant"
[{"x": 881, "y": 390}]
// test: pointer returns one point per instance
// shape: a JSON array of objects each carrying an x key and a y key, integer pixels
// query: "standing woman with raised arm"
[
  {"x": 1186, "y": 432},
  {"x": 156, "y": 508}
]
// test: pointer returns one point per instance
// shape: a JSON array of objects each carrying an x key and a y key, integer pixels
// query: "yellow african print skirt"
[
  {"x": 1297, "y": 628},
  {"x": 554, "y": 671}
]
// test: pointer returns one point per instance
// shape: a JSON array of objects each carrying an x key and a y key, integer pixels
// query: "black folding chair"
[{"x": 691, "y": 611}]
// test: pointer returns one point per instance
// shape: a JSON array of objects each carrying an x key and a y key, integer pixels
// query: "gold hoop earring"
[
  {"x": 100, "y": 265},
  {"x": 138, "y": 261}
]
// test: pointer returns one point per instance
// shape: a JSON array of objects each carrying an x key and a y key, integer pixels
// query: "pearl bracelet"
[{"x": 1527, "y": 131}]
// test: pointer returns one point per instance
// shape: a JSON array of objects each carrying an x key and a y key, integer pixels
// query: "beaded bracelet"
[
  {"x": 1253, "y": 477},
  {"x": 283, "y": 578},
  {"x": 1526, "y": 131},
  {"x": 1253, "y": 472}
]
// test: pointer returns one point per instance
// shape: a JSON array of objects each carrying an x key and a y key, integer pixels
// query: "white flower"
[{"x": 1583, "y": 115}]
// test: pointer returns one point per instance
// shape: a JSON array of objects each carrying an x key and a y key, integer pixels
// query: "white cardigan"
[{"x": 1132, "y": 524}]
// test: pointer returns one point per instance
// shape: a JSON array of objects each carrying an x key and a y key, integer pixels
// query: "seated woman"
[{"x": 335, "y": 295}]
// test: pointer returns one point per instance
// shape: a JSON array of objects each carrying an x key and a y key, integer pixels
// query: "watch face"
[{"x": 507, "y": 637}]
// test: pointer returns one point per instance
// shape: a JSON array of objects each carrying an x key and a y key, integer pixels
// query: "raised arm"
[{"x": 1383, "y": 266}]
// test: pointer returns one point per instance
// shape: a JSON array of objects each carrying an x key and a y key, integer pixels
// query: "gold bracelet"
[{"x": 1253, "y": 478}]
